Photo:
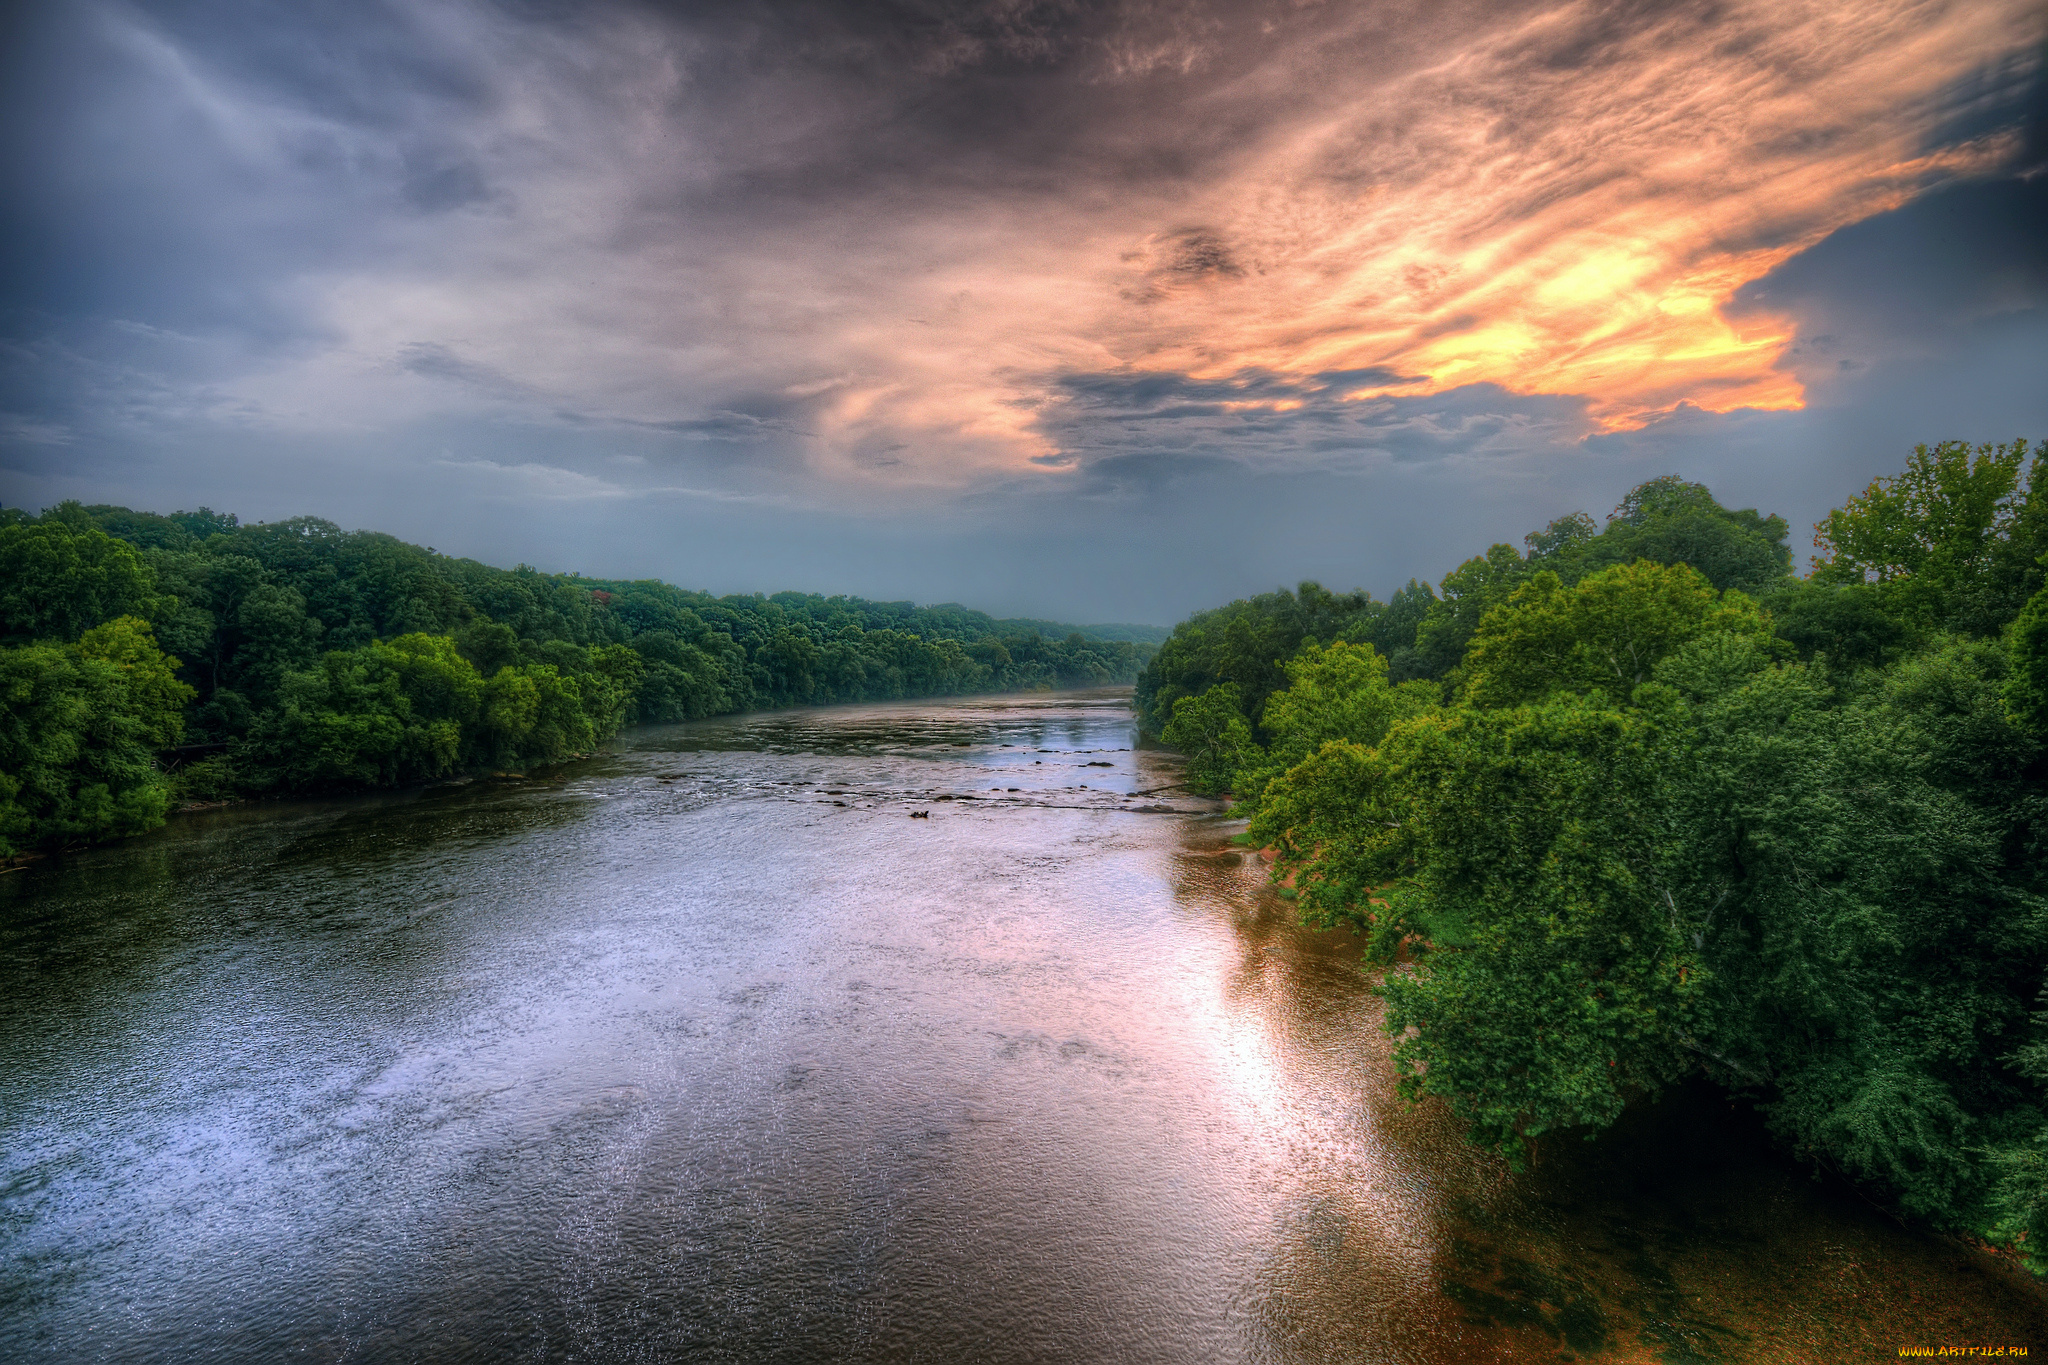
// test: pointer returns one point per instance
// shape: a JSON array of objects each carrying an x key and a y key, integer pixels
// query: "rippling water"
[{"x": 708, "y": 1049}]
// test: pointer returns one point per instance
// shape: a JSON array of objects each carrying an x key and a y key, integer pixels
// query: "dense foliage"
[
  {"x": 1665, "y": 809},
  {"x": 80, "y": 727},
  {"x": 147, "y": 659},
  {"x": 1423, "y": 632}
]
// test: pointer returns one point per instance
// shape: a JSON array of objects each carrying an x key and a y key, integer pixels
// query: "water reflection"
[
  {"x": 705, "y": 1049},
  {"x": 1350, "y": 1268},
  {"x": 1682, "y": 1236}
]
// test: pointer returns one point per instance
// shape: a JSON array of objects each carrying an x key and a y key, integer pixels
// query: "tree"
[
  {"x": 79, "y": 728},
  {"x": 1467, "y": 593},
  {"x": 1562, "y": 541},
  {"x": 1393, "y": 630},
  {"x": 1212, "y": 732},
  {"x": 1827, "y": 904},
  {"x": 2026, "y": 690},
  {"x": 1669, "y": 521},
  {"x": 1849, "y": 624},
  {"x": 1941, "y": 536},
  {"x": 59, "y": 579},
  {"x": 1247, "y": 643},
  {"x": 1873, "y": 953},
  {"x": 537, "y": 714},
  {"x": 1520, "y": 851},
  {"x": 682, "y": 682},
  {"x": 1649, "y": 834},
  {"x": 1607, "y": 632},
  {"x": 611, "y": 680},
  {"x": 380, "y": 715},
  {"x": 2020, "y": 1200},
  {"x": 1334, "y": 692},
  {"x": 321, "y": 657}
]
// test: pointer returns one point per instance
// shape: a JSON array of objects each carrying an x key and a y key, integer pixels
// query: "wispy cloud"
[
  {"x": 532, "y": 480},
  {"x": 854, "y": 257},
  {"x": 16, "y": 429},
  {"x": 655, "y": 220}
]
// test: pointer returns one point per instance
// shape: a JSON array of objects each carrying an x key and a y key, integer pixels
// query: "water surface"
[{"x": 706, "y": 1049}]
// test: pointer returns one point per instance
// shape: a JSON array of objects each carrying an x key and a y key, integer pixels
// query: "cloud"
[
  {"x": 432, "y": 360},
  {"x": 531, "y": 480},
  {"x": 655, "y": 213},
  {"x": 18, "y": 430},
  {"x": 1054, "y": 258},
  {"x": 1904, "y": 284},
  {"x": 1343, "y": 419}
]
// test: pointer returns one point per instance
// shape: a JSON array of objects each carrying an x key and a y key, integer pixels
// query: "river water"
[{"x": 707, "y": 1049}]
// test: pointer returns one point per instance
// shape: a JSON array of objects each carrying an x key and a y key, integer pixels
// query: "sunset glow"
[
  {"x": 854, "y": 261},
  {"x": 1582, "y": 238}
]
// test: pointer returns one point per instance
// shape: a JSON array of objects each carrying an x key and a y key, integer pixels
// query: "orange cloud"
[{"x": 1492, "y": 217}]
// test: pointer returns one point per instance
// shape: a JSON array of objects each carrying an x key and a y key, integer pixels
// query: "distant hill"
[
  {"x": 1059, "y": 630},
  {"x": 1124, "y": 630}
]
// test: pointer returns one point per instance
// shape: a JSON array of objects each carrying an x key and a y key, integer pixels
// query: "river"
[{"x": 709, "y": 1049}]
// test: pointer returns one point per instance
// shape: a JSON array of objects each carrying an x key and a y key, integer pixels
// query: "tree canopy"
[
  {"x": 247, "y": 659},
  {"x": 1423, "y": 632},
  {"x": 1669, "y": 810}
]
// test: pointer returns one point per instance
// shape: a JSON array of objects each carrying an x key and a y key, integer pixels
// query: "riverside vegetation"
[
  {"x": 1637, "y": 803},
  {"x": 149, "y": 660}
]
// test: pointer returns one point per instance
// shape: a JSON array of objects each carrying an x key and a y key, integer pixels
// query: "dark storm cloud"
[
  {"x": 136, "y": 192},
  {"x": 801, "y": 106},
  {"x": 1909, "y": 283},
  {"x": 2008, "y": 93},
  {"x": 1258, "y": 418}
]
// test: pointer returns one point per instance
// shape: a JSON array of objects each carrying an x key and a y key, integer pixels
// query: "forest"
[
  {"x": 1638, "y": 803},
  {"x": 149, "y": 661}
]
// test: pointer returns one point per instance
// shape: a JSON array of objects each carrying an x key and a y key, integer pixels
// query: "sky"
[{"x": 1099, "y": 312}]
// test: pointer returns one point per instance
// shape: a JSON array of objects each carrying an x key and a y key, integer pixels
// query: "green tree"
[
  {"x": 2026, "y": 690},
  {"x": 1607, "y": 632},
  {"x": 1334, "y": 692},
  {"x": 2020, "y": 1199},
  {"x": 537, "y": 714},
  {"x": 1467, "y": 593},
  {"x": 1669, "y": 521},
  {"x": 1873, "y": 952},
  {"x": 79, "y": 728},
  {"x": 380, "y": 715},
  {"x": 1393, "y": 631},
  {"x": 59, "y": 579},
  {"x": 612, "y": 679},
  {"x": 1851, "y": 625},
  {"x": 1519, "y": 851},
  {"x": 1825, "y": 904},
  {"x": 307, "y": 645},
  {"x": 1246, "y": 643},
  {"x": 1563, "y": 541},
  {"x": 1949, "y": 536},
  {"x": 1652, "y": 834},
  {"x": 682, "y": 682},
  {"x": 1211, "y": 730}
]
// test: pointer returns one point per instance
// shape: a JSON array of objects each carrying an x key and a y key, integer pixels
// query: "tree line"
[
  {"x": 149, "y": 660},
  {"x": 1636, "y": 803}
]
